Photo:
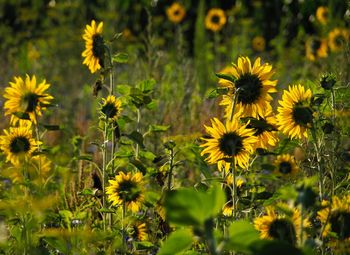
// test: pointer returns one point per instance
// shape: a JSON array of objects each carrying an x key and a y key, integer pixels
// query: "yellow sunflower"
[
  {"x": 338, "y": 37},
  {"x": 258, "y": 43},
  {"x": 265, "y": 130},
  {"x": 18, "y": 144},
  {"x": 94, "y": 46},
  {"x": 254, "y": 86},
  {"x": 111, "y": 107},
  {"x": 280, "y": 226},
  {"x": 322, "y": 15},
  {"x": 139, "y": 232},
  {"x": 335, "y": 220},
  {"x": 228, "y": 142},
  {"x": 285, "y": 165},
  {"x": 176, "y": 12},
  {"x": 26, "y": 97},
  {"x": 215, "y": 19},
  {"x": 295, "y": 116},
  {"x": 316, "y": 48},
  {"x": 128, "y": 189},
  {"x": 228, "y": 207}
]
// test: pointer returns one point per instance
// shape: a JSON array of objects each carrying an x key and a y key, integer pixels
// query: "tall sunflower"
[
  {"x": 94, "y": 46},
  {"x": 228, "y": 207},
  {"x": 335, "y": 219},
  {"x": 228, "y": 142},
  {"x": 255, "y": 86},
  {"x": 316, "y": 48},
  {"x": 280, "y": 226},
  {"x": 111, "y": 107},
  {"x": 285, "y": 165},
  {"x": 176, "y": 12},
  {"x": 26, "y": 97},
  {"x": 215, "y": 19},
  {"x": 338, "y": 37},
  {"x": 128, "y": 189},
  {"x": 295, "y": 115},
  {"x": 18, "y": 144},
  {"x": 322, "y": 15}
]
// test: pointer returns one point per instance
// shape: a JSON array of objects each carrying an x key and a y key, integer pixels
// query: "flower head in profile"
[
  {"x": 295, "y": 115},
  {"x": 215, "y": 19},
  {"x": 316, "y": 48},
  {"x": 275, "y": 225},
  {"x": 285, "y": 165},
  {"x": 227, "y": 143},
  {"x": 126, "y": 189},
  {"x": 176, "y": 12},
  {"x": 253, "y": 86},
  {"x": 338, "y": 38},
  {"x": 26, "y": 99},
  {"x": 138, "y": 231},
  {"x": 111, "y": 107},
  {"x": 18, "y": 144},
  {"x": 94, "y": 52}
]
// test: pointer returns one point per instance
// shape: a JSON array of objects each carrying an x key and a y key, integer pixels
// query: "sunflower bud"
[
  {"x": 328, "y": 128},
  {"x": 328, "y": 81}
]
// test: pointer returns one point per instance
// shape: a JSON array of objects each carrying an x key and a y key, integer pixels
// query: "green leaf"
[
  {"x": 147, "y": 86},
  {"x": 136, "y": 137},
  {"x": 52, "y": 127},
  {"x": 268, "y": 247},
  {"x": 158, "y": 128},
  {"x": 178, "y": 241},
  {"x": 120, "y": 58},
  {"x": 226, "y": 77},
  {"x": 123, "y": 89},
  {"x": 144, "y": 244},
  {"x": 217, "y": 92},
  {"x": 139, "y": 165},
  {"x": 86, "y": 157},
  {"x": 22, "y": 115}
]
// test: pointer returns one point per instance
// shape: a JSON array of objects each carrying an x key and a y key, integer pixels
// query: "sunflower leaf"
[
  {"x": 178, "y": 241},
  {"x": 136, "y": 137},
  {"x": 226, "y": 77},
  {"x": 22, "y": 115},
  {"x": 120, "y": 58}
]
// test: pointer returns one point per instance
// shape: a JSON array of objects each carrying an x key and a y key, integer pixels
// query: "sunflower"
[
  {"x": 335, "y": 219},
  {"x": 128, "y": 189},
  {"x": 18, "y": 144},
  {"x": 316, "y": 48},
  {"x": 254, "y": 85},
  {"x": 285, "y": 165},
  {"x": 94, "y": 46},
  {"x": 228, "y": 207},
  {"x": 295, "y": 116},
  {"x": 215, "y": 19},
  {"x": 228, "y": 142},
  {"x": 265, "y": 130},
  {"x": 111, "y": 107},
  {"x": 258, "y": 43},
  {"x": 139, "y": 232},
  {"x": 322, "y": 15},
  {"x": 337, "y": 39},
  {"x": 280, "y": 226},
  {"x": 176, "y": 12},
  {"x": 27, "y": 98}
]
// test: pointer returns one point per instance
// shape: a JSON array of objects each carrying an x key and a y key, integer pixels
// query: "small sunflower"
[
  {"x": 228, "y": 142},
  {"x": 265, "y": 130},
  {"x": 280, "y": 226},
  {"x": 285, "y": 165},
  {"x": 295, "y": 116},
  {"x": 18, "y": 144},
  {"x": 94, "y": 46},
  {"x": 26, "y": 97},
  {"x": 255, "y": 86},
  {"x": 337, "y": 39},
  {"x": 176, "y": 12},
  {"x": 258, "y": 43},
  {"x": 111, "y": 107},
  {"x": 128, "y": 189},
  {"x": 316, "y": 48},
  {"x": 139, "y": 232},
  {"x": 228, "y": 207},
  {"x": 322, "y": 15},
  {"x": 215, "y": 19}
]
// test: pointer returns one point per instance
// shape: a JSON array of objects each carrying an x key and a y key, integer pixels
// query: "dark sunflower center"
[
  {"x": 98, "y": 47},
  {"x": 128, "y": 191},
  {"x": 315, "y": 45},
  {"x": 177, "y": 12},
  {"x": 250, "y": 88},
  {"x": 19, "y": 144},
  {"x": 215, "y": 19},
  {"x": 231, "y": 144},
  {"x": 30, "y": 102},
  {"x": 340, "y": 224},
  {"x": 339, "y": 40},
  {"x": 302, "y": 115},
  {"x": 284, "y": 230},
  {"x": 285, "y": 168},
  {"x": 136, "y": 232},
  {"x": 109, "y": 110}
]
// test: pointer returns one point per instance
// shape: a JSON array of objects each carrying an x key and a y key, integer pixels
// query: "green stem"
[
  {"x": 171, "y": 166},
  {"x": 104, "y": 163},
  {"x": 318, "y": 159},
  {"x": 234, "y": 189},
  {"x": 123, "y": 228},
  {"x": 235, "y": 98},
  {"x": 138, "y": 130},
  {"x": 208, "y": 227}
]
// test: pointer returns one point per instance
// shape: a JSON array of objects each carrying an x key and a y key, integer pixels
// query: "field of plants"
[{"x": 175, "y": 127}]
